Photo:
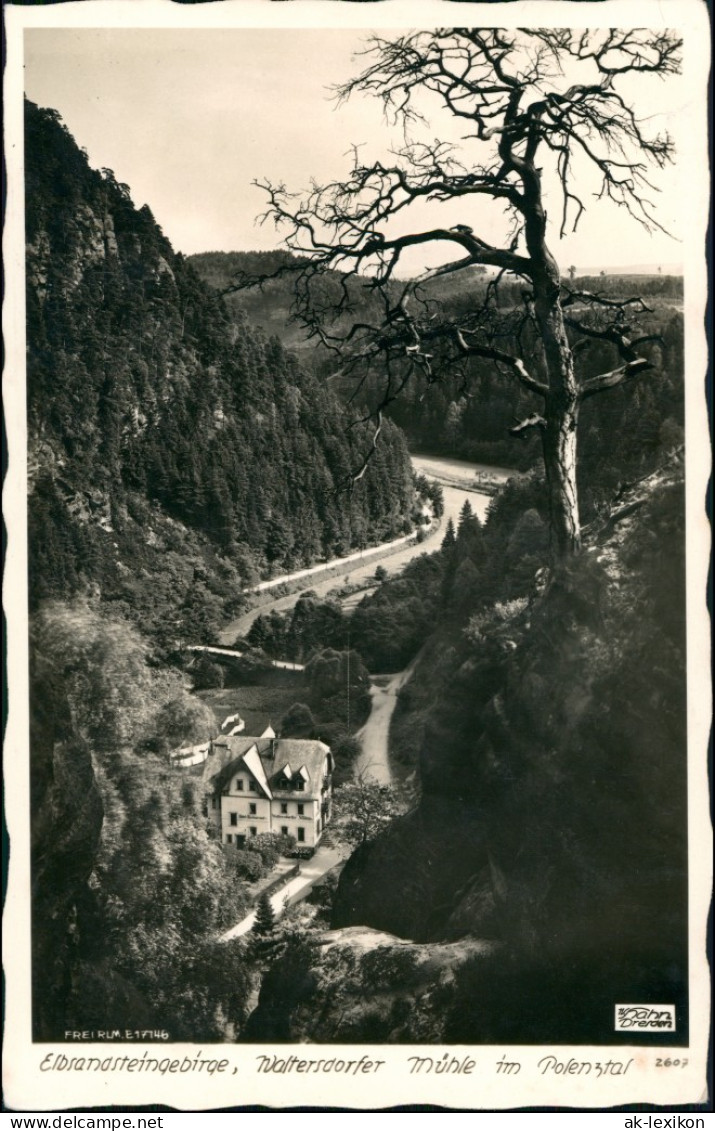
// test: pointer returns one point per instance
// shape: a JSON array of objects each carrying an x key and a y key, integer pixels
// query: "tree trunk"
[
  {"x": 559, "y": 448},
  {"x": 561, "y": 414}
]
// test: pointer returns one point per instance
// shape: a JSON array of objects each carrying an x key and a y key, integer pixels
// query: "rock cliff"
[{"x": 551, "y": 832}]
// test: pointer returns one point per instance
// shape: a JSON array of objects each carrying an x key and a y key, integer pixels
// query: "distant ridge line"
[{"x": 663, "y": 269}]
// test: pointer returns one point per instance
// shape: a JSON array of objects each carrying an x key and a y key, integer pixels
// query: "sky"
[{"x": 189, "y": 118}]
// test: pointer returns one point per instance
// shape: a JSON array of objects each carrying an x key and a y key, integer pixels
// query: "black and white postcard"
[{"x": 357, "y": 548}]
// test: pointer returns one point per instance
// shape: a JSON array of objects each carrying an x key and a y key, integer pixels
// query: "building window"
[
  {"x": 234, "y": 818},
  {"x": 301, "y": 833},
  {"x": 252, "y": 809},
  {"x": 229, "y": 838},
  {"x": 284, "y": 830},
  {"x": 239, "y": 785},
  {"x": 253, "y": 830},
  {"x": 301, "y": 809},
  {"x": 299, "y": 785},
  {"x": 284, "y": 807},
  {"x": 252, "y": 785}
]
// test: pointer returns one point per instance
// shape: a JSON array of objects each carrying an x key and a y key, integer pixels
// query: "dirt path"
[
  {"x": 296, "y": 889},
  {"x": 374, "y": 761}
]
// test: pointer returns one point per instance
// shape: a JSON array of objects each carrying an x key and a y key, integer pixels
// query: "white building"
[{"x": 268, "y": 785}]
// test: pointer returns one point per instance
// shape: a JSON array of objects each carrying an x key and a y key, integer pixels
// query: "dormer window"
[{"x": 299, "y": 785}]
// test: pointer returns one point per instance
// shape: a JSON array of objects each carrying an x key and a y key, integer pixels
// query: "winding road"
[
  {"x": 458, "y": 481},
  {"x": 357, "y": 568},
  {"x": 374, "y": 736}
]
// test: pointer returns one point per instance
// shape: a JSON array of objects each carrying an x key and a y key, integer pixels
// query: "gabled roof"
[
  {"x": 267, "y": 759},
  {"x": 223, "y": 753},
  {"x": 252, "y": 759}
]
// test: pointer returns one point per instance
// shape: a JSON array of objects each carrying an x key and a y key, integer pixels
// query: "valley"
[{"x": 492, "y": 707}]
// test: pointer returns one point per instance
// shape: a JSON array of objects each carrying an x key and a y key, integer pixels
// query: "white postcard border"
[{"x": 28, "y": 1083}]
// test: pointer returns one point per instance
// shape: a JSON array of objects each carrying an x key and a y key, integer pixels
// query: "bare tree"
[{"x": 540, "y": 107}]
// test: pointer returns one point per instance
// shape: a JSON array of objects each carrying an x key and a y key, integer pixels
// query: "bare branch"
[
  {"x": 533, "y": 421},
  {"x": 357, "y": 476},
  {"x": 588, "y": 298},
  {"x": 614, "y": 377},
  {"x": 474, "y": 349},
  {"x": 526, "y": 114}
]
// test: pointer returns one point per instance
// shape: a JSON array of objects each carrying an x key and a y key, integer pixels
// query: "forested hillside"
[
  {"x": 128, "y": 890},
  {"x": 469, "y": 410},
  {"x": 176, "y": 454}
]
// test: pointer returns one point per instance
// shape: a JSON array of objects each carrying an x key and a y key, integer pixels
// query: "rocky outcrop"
[
  {"x": 67, "y": 816},
  {"x": 360, "y": 985},
  {"x": 433, "y": 858},
  {"x": 552, "y": 824}
]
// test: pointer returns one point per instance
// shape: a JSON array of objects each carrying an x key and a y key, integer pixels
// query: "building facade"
[{"x": 268, "y": 785}]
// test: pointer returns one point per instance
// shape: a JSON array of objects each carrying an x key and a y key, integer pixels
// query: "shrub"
[
  {"x": 248, "y": 865},
  {"x": 298, "y": 722},
  {"x": 269, "y": 847},
  {"x": 207, "y": 675}
]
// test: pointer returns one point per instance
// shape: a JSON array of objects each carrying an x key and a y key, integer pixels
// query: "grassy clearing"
[{"x": 258, "y": 704}]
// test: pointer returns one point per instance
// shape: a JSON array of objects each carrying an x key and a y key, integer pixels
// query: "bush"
[
  {"x": 322, "y": 895},
  {"x": 298, "y": 722},
  {"x": 345, "y": 751},
  {"x": 248, "y": 865},
  {"x": 207, "y": 675},
  {"x": 270, "y": 846}
]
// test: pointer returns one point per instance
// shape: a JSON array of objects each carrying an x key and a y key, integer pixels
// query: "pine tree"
[
  {"x": 265, "y": 921},
  {"x": 465, "y": 515},
  {"x": 449, "y": 560},
  {"x": 450, "y": 537}
]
